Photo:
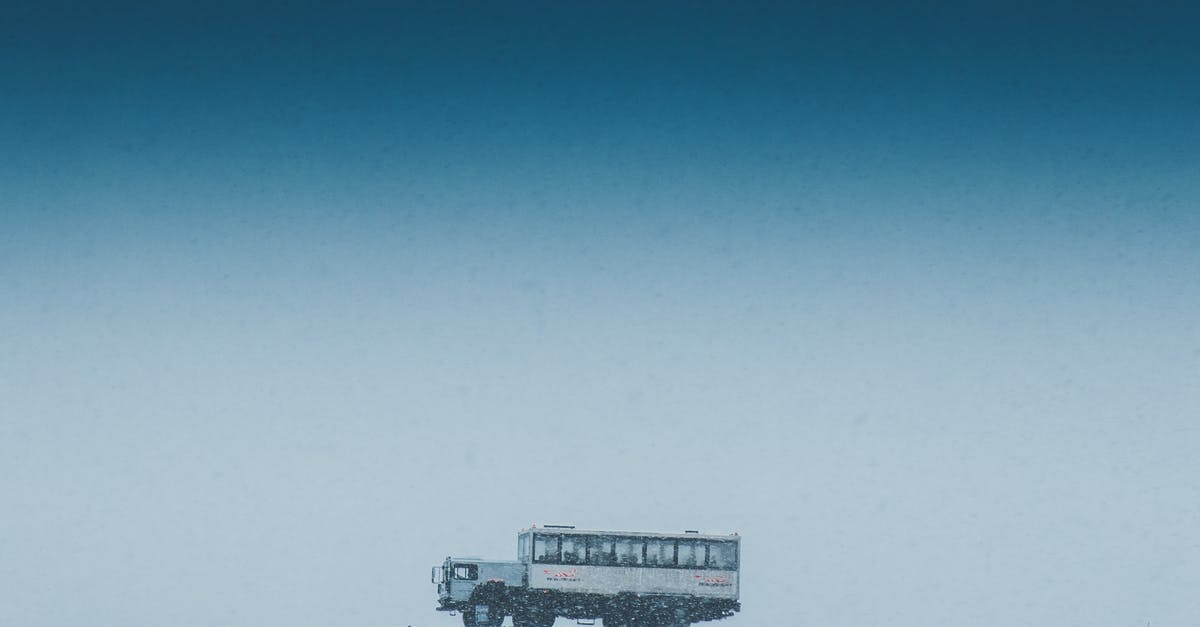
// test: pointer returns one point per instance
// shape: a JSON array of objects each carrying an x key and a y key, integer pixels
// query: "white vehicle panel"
[{"x": 717, "y": 584}]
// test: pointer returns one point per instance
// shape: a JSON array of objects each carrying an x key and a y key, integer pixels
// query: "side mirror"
[{"x": 435, "y": 576}]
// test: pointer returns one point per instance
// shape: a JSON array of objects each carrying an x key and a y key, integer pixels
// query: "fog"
[{"x": 294, "y": 303}]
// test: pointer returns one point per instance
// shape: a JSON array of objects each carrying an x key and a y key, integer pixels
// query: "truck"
[{"x": 625, "y": 579}]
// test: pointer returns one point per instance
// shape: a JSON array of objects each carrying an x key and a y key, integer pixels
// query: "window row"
[{"x": 618, "y": 551}]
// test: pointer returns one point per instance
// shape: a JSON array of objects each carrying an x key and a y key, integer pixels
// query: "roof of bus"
[{"x": 637, "y": 534}]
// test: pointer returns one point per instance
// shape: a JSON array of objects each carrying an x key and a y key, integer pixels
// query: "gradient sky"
[{"x": 297, "y": 300}]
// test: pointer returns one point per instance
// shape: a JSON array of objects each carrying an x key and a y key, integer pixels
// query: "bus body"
[{"x": 633, "y": 579}]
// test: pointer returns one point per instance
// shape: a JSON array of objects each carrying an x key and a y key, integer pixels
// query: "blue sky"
[{"x": 295, "y": 301}]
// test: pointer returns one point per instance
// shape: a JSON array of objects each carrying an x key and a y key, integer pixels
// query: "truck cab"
[{"x": 477, "y": 588}]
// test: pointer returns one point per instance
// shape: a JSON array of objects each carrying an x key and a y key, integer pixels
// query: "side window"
[
  {"x": 691, "y": 554},
  {"x": 660, "y": 552},
  {"x": 629, "y": 552},
  {"x": 466, "y": 571},
  {"x": 523, "y": 548},
  {"x": 545, "y": 549},
  {"x": 574, "y": 548},
  {"x": 601, "y": 551},
  {"x": 722, "y": 555}
]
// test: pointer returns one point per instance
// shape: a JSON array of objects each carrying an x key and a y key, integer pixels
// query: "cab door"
[{"x": 462, "y": 580}]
